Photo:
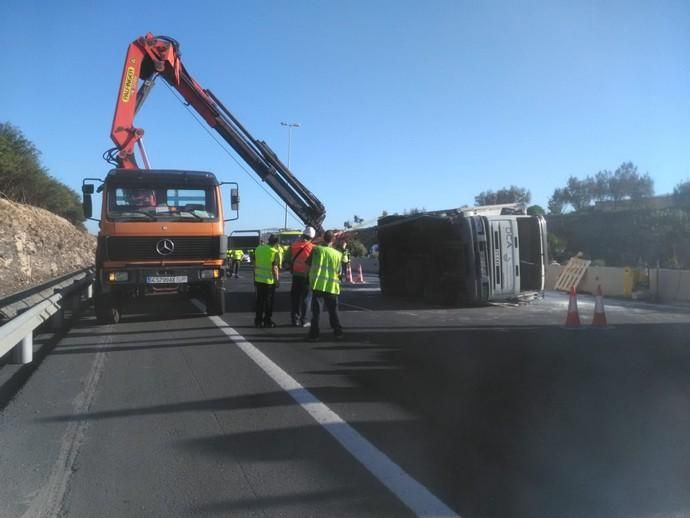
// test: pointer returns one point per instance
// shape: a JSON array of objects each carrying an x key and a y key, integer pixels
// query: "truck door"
[{"x": 505, "y": 257}]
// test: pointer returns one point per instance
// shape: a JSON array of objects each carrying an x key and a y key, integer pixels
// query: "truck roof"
[{"x": 162, "y": 176}]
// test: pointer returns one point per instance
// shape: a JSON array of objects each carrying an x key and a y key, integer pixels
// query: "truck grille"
[{"x": 150, "y": 248}]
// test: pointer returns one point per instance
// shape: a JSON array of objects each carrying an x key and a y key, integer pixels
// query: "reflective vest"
[
  {"x": 264, "y": 259},
  {"x": 237, "y": 255},
  {"x": 324, "y": 274},
  {"x": 299, "y": 253},
  {"x": 346, "y": 256}
]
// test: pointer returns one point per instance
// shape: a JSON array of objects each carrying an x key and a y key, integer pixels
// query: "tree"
[
  {"x": 25, "y": 180},
  {"x": 356, "y": 247},
  {"x": 600, "y": 185},
  {"x": 512, "y": 194},
  {"x": 681, "y": 193},
  {"x": 384, "y": 213},
  {"x": 535, "y": 210},
  {"x": 626, "y": 182},
  {"x": 557, "y": 201}
]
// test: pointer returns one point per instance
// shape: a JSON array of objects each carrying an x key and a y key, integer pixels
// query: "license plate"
[{"x": 171, "y": 279}]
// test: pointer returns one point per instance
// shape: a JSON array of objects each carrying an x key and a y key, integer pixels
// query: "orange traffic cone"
[
  {"x": 361, "y": 276},
  {"x": 599, "y": 319},
  {"x": 573, "y": 318},
  {"x": 349, "y": 274}
]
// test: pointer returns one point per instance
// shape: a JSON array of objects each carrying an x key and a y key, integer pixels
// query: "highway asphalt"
[{"x": 495, "y": 411}]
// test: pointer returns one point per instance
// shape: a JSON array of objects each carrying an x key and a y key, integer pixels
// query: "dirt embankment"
[{"x": 36, "y": 246}]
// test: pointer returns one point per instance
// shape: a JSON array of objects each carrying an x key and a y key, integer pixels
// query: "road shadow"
[{"x": 545, "y": 421}]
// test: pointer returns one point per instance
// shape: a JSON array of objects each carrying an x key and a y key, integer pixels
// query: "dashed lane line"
[{"x": 50, "y": 499}]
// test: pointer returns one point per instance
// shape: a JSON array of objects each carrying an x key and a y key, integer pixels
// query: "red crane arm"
[{"x": 150, "y": 56}]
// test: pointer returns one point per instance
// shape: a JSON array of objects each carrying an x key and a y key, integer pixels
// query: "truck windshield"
[
  {"x": 288, "y": 239},
  {"x": 161, "y": 203}
]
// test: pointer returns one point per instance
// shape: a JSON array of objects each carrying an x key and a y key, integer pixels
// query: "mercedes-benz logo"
[{"x": 165, "y": 247}]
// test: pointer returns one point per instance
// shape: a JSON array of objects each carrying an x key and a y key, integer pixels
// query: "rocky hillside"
[{"x": 36, "y": 246}]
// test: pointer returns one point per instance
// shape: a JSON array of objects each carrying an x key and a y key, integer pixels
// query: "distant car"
[{"x": 246, "y": 258}]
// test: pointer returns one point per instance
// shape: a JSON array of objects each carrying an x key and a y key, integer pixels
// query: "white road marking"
[
  {"x": 410, "y": 492},
  {"x": 51, "y": 496},
  {"x": 361, "y": 308}
]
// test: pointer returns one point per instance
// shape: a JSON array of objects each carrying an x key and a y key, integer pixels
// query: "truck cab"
[{"x": 161, "y": 231}]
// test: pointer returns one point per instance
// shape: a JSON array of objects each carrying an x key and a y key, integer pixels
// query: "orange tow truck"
[{"x": 163, "y": 229}]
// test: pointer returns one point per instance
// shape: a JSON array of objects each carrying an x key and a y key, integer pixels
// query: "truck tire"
[
  {"x": 215, "y": 300},
  {"x": 107, "y": 312}
]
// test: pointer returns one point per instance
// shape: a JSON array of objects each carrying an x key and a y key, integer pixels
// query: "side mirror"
[
  {"x": 87, "y": 188},
  {"x": 234, "y": 199},
  {"x": 87, "y": 205}
]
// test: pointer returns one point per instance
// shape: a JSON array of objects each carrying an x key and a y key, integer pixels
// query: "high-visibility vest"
[
  {"x": 237, "y": 255},
  {"x": 229, "y": 253},
  {"x": 346, "y": 256},
  {"x": 299, "y": 253},
  {"x": 264, "y": 258},
  {"x": 324, "y": 274}
]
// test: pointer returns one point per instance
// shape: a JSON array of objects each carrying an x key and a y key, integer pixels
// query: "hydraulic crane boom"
[{"x": 151, "y": 56}]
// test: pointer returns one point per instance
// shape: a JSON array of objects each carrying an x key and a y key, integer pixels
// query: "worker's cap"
[{"x": 309, "y": 232}]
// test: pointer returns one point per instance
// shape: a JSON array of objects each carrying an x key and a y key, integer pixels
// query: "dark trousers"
[
  {"x": 298, "y": 299},
  {"x": 318, "y": 299},
  {"x": 264, "y": 302},
  {"x": 235, "y": 267}
]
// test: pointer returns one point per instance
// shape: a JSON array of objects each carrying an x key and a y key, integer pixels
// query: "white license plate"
[{"x": 176, "y": 279}]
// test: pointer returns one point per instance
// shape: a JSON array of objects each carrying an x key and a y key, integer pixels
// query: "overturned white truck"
[{"x": 463, "y": 256}]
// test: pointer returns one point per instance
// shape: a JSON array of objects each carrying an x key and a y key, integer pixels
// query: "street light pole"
[{"x": 289, "y": 126}]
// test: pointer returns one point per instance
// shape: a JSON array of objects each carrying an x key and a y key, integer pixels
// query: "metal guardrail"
[{"x": 24, "y": 314}]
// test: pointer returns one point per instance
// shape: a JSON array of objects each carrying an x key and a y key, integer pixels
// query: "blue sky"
[{"x": 402, "y": 104}]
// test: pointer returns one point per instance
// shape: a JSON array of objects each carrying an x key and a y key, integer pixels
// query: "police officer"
[
  {"x": 266, "y": 279},
  {"x": 297, "y": 256},
  {"x": 324, "y": 281}
]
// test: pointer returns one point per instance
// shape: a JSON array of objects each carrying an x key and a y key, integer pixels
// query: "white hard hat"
[{"x": 309, "y": 232}]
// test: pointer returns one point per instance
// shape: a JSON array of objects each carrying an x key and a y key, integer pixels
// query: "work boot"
[{"x": 270, "y": 323}]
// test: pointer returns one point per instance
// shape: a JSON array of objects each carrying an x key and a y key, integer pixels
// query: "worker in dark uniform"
[{"x": 297, "y": 256}]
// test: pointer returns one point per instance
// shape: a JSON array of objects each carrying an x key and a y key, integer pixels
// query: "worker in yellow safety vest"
[
  {"x": 345, "y": 271},
  {"x": 324, "y": 281},
  {"x": 266, "y": 280},
  {"x": 236, "y": 257}
]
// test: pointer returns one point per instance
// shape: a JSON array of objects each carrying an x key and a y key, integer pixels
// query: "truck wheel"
[
  {"x": 107, "y": 312},
  {"x": 215, "y": 300}
]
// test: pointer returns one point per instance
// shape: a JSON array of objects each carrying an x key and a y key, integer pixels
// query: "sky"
[{"x": 402, "y": 104}]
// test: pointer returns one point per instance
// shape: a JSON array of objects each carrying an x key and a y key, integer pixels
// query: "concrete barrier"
[
  {"x": 664, "y": 285},
  {"x": 670, "y": 285},
  {"x": 369, "y": 265}
]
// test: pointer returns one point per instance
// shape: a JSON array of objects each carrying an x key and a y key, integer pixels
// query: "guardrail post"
[
  {"x": 58, "y": 319},
  {"x": 75, "y": 302},
  {"x": 24, "y": 351}
]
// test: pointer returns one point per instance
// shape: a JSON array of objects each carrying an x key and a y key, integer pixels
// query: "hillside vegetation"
[{"x": 23, "y": 179}]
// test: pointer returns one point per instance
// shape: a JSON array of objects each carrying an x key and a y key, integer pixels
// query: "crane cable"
[{"x": 241, "y": 166}]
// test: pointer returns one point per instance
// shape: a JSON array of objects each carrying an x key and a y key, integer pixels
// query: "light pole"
[{"x": 289, "y": 126}]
